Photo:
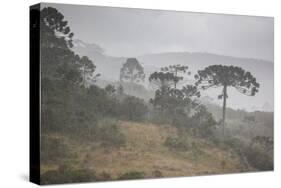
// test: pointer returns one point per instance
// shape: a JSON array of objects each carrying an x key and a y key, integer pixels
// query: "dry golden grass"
[{"x": 145, "y": 152}]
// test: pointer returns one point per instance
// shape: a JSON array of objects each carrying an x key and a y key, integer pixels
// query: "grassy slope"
[{"x": 145, "y": 151}]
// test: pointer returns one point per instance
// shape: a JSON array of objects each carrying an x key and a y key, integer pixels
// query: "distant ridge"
[{"x": 109, "y": 67}]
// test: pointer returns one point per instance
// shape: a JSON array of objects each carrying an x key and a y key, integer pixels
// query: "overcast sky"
[{"x": 133, "y": 32}]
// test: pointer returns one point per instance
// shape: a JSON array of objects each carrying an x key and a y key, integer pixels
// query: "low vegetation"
[{"x": 132, "y": 175}]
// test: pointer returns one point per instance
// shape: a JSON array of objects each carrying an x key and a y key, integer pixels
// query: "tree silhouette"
[
  {"x": 120, "y": 90},
  {"x": 171, "y": 99},
  {"x": 132, "y": 71},
  {"x": 227, "y": 76},
  {"x": 176, "y": 70},
  {"x": 87, "y": 70},
  {"x": 54, "y": 29},
  {"x": 110, "y": 89},
  {"x": 58, "y": 61},
  {"x": 190, "y": 91},
  {"x": 162, "y": 79}
]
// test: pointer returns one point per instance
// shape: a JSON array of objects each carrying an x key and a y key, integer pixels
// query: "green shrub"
[
  {"x": 178, "y": 143},
  {"x": 259, "y": 158},
  {"x": 67, "y": 175},
  {"x": 104, "y": 176},
  {"x": 255, "y": 154},
  {"x": 105, "y": 131},
  {"x": 157, "y": 174},
  {"x": 181, "y": 120},
  {"x": 108, "y": 133},
  {"x": 133, "y": 109},
  {"x": 203, "y": 123},
  {"x": 132, "y": 175},
  {"x": 233, "y": 143}
]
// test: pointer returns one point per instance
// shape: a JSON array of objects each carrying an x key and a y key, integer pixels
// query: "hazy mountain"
[
  {"x": 109, "y": 67},
  {"x": 261, "y": 69}
]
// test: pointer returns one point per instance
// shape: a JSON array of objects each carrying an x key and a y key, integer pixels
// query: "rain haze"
[
  {"x": 123, "y": 32},
  {"x": 134, "y": 32},
  {"x": 127, "y": 94}
]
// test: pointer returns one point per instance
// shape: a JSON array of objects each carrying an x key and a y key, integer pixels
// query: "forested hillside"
[{"x": 97, "y": 130}]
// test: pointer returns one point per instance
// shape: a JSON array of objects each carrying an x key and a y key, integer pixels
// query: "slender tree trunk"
[
  {"x": 84, "y": 77},
  {"x": 224, "y": 109},
  {"x": 175, "y": 82}
]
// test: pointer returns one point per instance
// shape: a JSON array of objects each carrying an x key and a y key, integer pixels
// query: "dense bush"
[
  {"x": 260, "y": 153},
  {"x": 132, "y": 108},
  {"x": 203, "y": 123},
  {"x": 200, "y": 124},
  {"x": 59, "y": 107},
  {"x": 102, "y": 101},
  {"x": 74, "y": 108},
  {"x": 253, "y": 154},
  {"x": 259, "y": 158},
  {"x": 181, "y": 120}
]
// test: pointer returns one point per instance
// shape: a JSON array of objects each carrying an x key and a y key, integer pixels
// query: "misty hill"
[
  {"x": 261, "y": 69},
  {"x": 109, "y": 67}
]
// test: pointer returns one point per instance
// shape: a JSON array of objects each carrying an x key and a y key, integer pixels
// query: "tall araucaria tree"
[
  {"x": 58, "y": 60},
  {"x": 55, "y": 32},
  {"x": 172, "y": 99},
  {"x": 161, "y": 79},
  {"x": 177, "y": 71},
  {"x": 227, "y": 76}
]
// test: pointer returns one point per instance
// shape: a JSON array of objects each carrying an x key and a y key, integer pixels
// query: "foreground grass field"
[{"x": 145, "y": 155}]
